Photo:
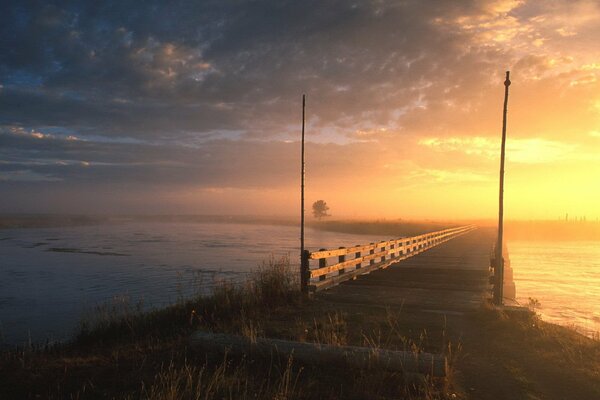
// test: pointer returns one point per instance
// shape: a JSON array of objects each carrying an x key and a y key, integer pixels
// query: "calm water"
[
  {"x": 50, "y": 277},
  {"x": 564, "y": 277}
]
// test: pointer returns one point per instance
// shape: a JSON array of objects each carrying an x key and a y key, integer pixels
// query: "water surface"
[
  {"x": 564, "y": 277},
  {"x": 50, "y": 277}
]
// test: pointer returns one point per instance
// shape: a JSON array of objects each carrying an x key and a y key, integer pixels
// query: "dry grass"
[
  {"x": 229, "y": 308},
  {"x": 122, "y": 352},
  {"x": 331, "y": 329},
  {"x": 228, "y": 380},
  {"x": 531, "y": 358}
]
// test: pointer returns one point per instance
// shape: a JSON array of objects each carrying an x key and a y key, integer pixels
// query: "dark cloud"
[
  {"x": 164, "y": 68},
  {"x": 207, "y": 93},
  {"x": 218, "y": 163}
]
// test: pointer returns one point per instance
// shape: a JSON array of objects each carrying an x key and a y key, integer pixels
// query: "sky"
[{"x": 194, "y": 107}]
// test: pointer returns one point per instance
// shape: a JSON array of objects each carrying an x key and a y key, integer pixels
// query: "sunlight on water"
[
  {"x": 50, "y": 277},
  {"x": 564, "y": 277}
]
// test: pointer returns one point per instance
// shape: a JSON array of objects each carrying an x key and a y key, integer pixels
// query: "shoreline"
[{"x": 125, "y": 356}]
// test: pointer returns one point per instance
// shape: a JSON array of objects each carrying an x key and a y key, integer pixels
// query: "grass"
[
  {"x": 228, "y": 380},
  {"x": 513, "y": 353},
  {"x": 228, "y": 308},
  {"x": 122, "y": 352}
]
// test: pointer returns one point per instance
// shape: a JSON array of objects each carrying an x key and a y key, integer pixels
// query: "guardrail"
[{"x": 362, "y": 259}]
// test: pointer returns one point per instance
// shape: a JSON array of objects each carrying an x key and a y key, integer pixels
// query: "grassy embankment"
[
  {"x": 516, "y": 355},
  {"x": 121, "y": 352},
  {"x": 392, "y": 228},
  {"x": 124, "y": 353},
  {"x": 515, "y": 230},
  {"x": 577, "y": 230}
]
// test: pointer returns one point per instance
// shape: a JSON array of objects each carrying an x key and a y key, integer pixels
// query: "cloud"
[
  {"x": 525, "y": 151},
  {"x": 480, "y": 146},
  {"x": 25, "y": 175},
  {"x": 450, "y": 177},
  {"x": 136, "y": 75},
  {"x": 207, "y": 94},
  {"x": 103, "y": 70}
]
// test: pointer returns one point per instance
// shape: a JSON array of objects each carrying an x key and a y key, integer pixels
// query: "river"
[
  {"x": 51, "y": 277},
  {"x": 564, "y": 277}
]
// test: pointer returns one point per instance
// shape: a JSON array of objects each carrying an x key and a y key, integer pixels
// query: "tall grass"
[
  {"x": 228, "y": 380},
  {"x": 271, "y": 285},
  {"x": 123, "y": 352}
]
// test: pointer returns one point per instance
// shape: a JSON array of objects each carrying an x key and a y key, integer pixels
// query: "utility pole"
[
  {"x": 499, "y": 259},
  {"x": 304, "y": 268}
]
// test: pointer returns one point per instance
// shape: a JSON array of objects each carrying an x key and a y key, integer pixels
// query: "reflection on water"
[
  {"x": 50, "y": 277},
  {"x": 564, "y": 277}
]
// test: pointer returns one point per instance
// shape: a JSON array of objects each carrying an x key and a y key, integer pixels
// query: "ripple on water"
[
  {"x": 81, "y": 251},
  {"x": 49, "y": 285}
]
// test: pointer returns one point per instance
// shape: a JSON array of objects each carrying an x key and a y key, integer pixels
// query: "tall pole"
[
  {"x": 499, "y": 264},
  {"x": 304, "y": 273}
]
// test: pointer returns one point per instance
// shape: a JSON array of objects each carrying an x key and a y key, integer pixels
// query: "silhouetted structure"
[
  {"x": 304, "y": 274},
  {"x": 498, "y": 259}
]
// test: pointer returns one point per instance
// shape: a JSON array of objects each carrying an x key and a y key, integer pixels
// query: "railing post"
[
  {"x": 304, "y": 271},
  {"x": 357, "y": 255},
  {"x": 341, "y": 258},
  {"x": 322, "y": 264}
]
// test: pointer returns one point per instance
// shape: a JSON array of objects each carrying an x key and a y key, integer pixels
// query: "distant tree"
[{"x": 320, "y": 209}]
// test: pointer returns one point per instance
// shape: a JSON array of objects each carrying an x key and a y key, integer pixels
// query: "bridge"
[
  {"x": 452, "y": 272},
  {"x": 432, "y": 282}
]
